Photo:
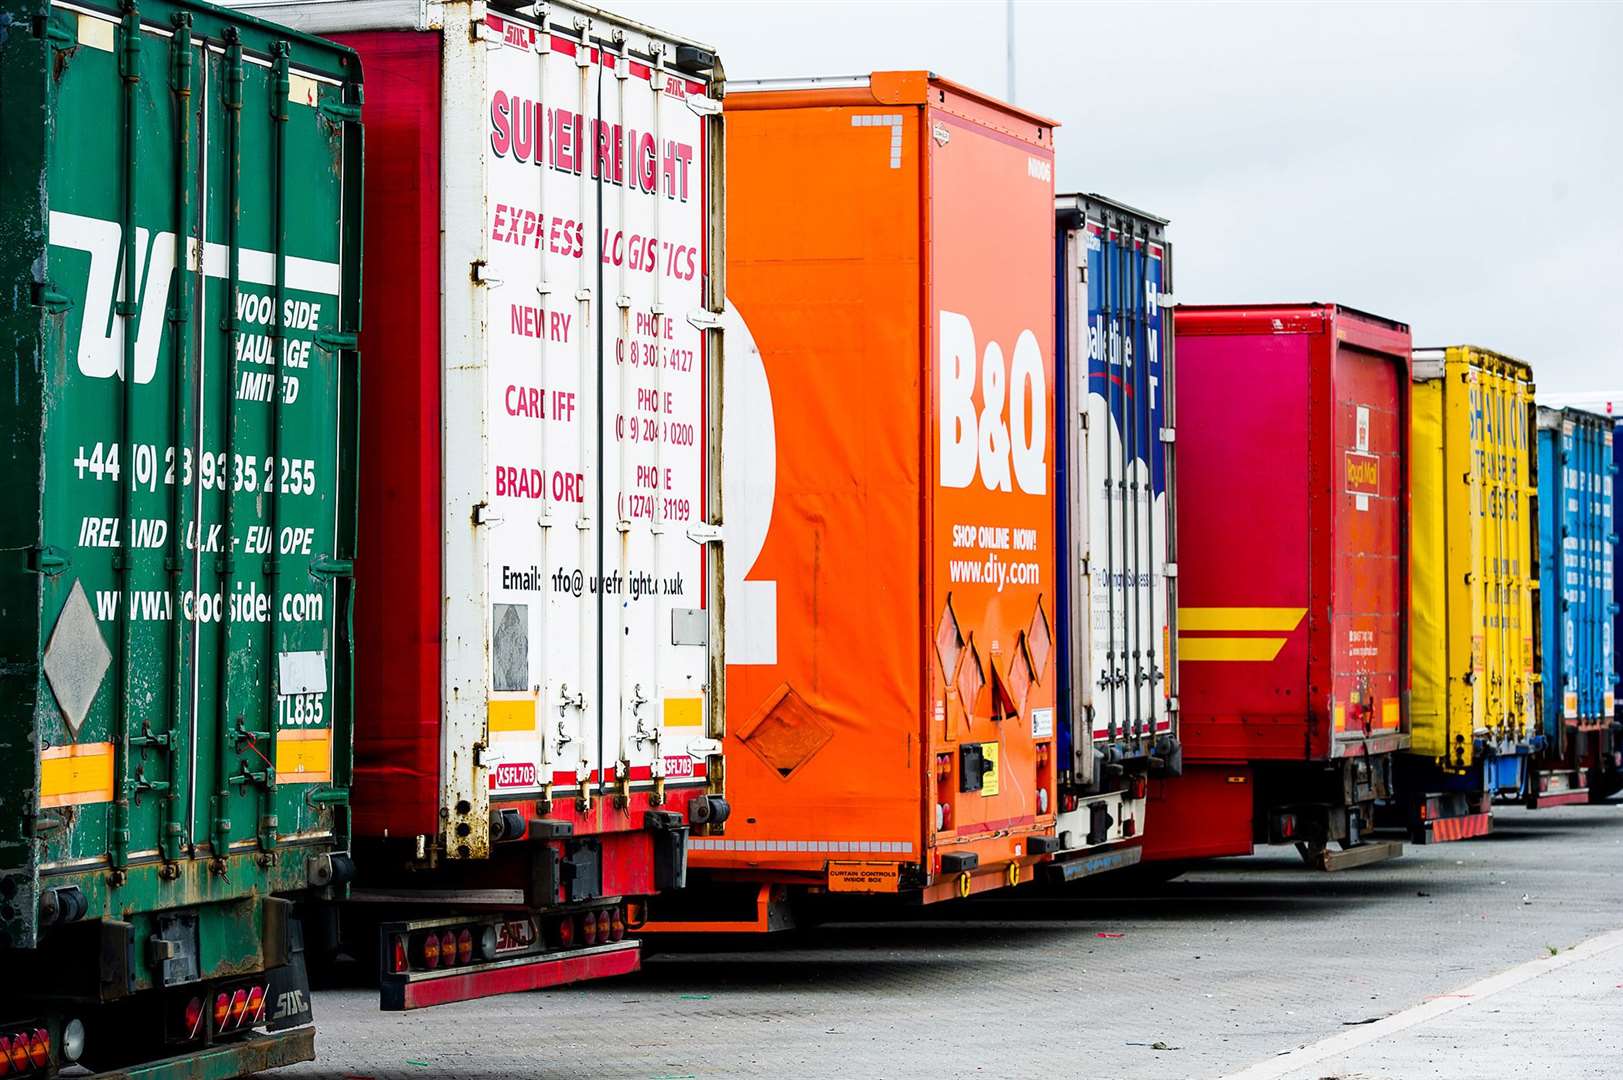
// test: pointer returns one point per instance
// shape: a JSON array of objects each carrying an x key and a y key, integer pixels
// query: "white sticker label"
[
  {"x": 301, "y": 673},
  {"x": 1042, "y": 723}
]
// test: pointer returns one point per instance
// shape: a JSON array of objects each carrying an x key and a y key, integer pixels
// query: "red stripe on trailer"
[
  {"x": 1444, "y": 830},
  {"x": 420, "y": 994}
]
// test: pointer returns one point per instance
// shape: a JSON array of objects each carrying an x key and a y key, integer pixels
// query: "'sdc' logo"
[{"x": 988, "y": 443}]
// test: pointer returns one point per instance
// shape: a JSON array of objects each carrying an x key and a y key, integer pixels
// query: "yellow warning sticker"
[
  {"x": 304, "y": 757},
  {"x": 512, "y": 714},
  {"x": 989, "y": 784},
  {"x": 864, "y": 877},
  {"x": 70, "y": 775},
  {"x": 684, "y": 712}
]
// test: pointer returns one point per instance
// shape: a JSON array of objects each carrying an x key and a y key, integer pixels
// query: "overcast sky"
[{"x": 1459, "y": 167}]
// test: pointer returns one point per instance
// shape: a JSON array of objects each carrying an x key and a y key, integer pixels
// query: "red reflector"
[
  {"x": 430, "y": 949},
  {"x": 398, "y": 961},
  {"x": 239, "y": 1005},
  {"x": 222, "y": 1009},
  {"x": 256, "y": 1005},
  {"x": 566, "y": 931},
  {"x": 39, "y": 1048},
  {"x": 1287, "y": 825},
  {"x": 194, "y": 1018},
  {"x": 464, "y": 947}
]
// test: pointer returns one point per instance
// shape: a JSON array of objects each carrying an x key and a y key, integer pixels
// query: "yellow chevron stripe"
[
  {"x": 1277, "y": 619},
  {"x": 1229, "y": 648}
]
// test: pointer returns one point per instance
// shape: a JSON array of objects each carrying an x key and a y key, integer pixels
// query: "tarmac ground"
[{"x": 1497, "y": 957}]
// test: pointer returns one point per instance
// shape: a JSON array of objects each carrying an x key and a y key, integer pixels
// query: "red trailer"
[{"x": 1293, "y": 581}]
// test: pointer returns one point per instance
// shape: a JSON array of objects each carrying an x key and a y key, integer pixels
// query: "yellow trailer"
[{"x": 1474, "y": 704}]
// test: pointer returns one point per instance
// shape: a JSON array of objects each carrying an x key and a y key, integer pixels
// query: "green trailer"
[{"x": 180, "y": 220}]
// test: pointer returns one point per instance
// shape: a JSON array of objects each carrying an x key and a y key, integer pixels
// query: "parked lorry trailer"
[
  {"x": 1293, "y": 581},
  {"x": 1473, "y": 568},
  {"x": 1577, "y": 552},
  {"x": 1608, "y": 779},
  {"x": 888, "y": 464},
  {"x": 180, "y": 203},
  {"x": 538, "y": 635},
  {"x": 1116, "y": 692}
]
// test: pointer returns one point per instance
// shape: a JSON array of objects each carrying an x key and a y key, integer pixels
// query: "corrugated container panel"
[
  {"x": 179, "y": 236},
  {"x": 1473, "y": 569},
  {"x": 1577, "y": 541},
  {"x": 1113, "y": 469},
  {"x": 541, "y": 632},
  {"x": 889, "y": 454},
  {"x": 1292, "y": 617}
]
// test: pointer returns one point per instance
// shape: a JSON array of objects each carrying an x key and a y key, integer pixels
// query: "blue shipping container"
[{"x": 1577, "y": 573}]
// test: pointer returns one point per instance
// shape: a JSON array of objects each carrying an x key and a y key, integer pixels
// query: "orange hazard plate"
[{"x": 864, "y": 877}]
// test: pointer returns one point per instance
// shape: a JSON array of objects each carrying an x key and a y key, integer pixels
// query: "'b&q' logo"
[{"x": 988, "y": 443}]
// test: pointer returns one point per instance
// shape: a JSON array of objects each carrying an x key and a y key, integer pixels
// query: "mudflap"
[
  {"x": 290, "y": 984},
  {"x": 1445, "y": 818},
  {"x": 226, "y": 1061},
  {"x": 1557, "y": 788}
]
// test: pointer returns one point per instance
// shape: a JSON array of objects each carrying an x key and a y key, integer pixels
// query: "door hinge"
[
  {"x": 43, "y": 294},
  {"x": 704, "y": 533},
  {"x": 48, "y": 560}
]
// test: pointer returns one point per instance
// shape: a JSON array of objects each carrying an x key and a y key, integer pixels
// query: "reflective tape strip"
[
  {"x": 705, "y": 843},
  {"x": 890, "y": 120}
]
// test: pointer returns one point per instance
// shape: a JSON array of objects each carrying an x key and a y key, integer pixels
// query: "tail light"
[
  {"x": 17, "y": 1052},
  {"x": 588, "y": 929},
  {"x": 448, "y": 948},
  {"x": 398, "y": 960},
  {"x": 239, "y": 1006},
  {"x": 256, "y": 1005},
  {"x": 430, "y": 950},
  {"x": 617, "y": 927},
  {"x": 39, "y": 1048},
  {"x": 464, "y": 947},
  {"x": 222, "y": 1009},
  {"x": 605, "y": 926},
  {"x": 5, "y": 1056},
  {"x": 566, "y": 931},
  {"x": 194, "y": 1018}
]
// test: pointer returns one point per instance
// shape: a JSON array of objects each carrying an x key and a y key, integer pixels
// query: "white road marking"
[{"x": 1287, "y": 1063}]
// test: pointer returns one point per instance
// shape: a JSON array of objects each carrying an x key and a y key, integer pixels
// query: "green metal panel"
[{"x": 177, "y": 464}]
